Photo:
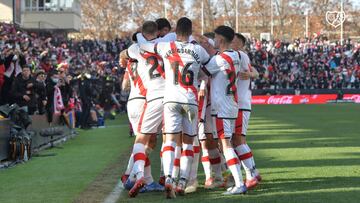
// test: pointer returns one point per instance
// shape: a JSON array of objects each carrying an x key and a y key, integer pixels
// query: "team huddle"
[{"x": 195, "y": 91}]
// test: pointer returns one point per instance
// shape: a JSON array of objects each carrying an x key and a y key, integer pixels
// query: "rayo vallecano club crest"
[{"x": 335, "y": 18}]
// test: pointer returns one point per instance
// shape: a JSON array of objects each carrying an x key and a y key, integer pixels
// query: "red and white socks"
[
  {"x": 187, "y": 157},
  {"x": 147, "y": 172},
  {"x": 233, "y": 164},
  {"x": 176, "y": 169},
  {"x": 205, "y": 160},
  {"x": 247, "y": 160},
  {"x": 168, "y": 156},
  {"x": 195, "y": 162},
  {"x": 215, "y": 161},
  {"x": 139, "y": 157},
  {"x": 130, "y": 165}
]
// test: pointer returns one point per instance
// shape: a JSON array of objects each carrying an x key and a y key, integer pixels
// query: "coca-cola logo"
[{"x": 280, "y": 100}]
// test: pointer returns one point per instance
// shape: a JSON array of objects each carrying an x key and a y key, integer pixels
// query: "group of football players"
[{"x": 195, "y": 92}]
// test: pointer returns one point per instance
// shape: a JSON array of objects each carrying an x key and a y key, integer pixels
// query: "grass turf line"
[
  {"x": 305, "y": 153},
  {"x": 63, "y": 177}
]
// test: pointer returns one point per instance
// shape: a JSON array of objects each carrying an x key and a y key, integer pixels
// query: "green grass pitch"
[{"x": 305, "y": 153}]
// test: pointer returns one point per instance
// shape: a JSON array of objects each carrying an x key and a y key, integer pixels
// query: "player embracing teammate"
[{"x": 169, "y": 75}]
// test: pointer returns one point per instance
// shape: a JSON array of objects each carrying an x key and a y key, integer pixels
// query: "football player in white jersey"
[
  {"x": 150, "y": 71},
  {"x": 182, "y": 62},
  {"x": 224, "y": 68},
  {"x": 244, "y": 94},
  {"x": 135, "y": 103}
]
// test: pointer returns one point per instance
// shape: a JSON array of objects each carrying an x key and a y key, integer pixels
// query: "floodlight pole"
[
  {"x": 342, "y": 27},
  {"x": 202, "y": 17},
  {"x": 165, "y": 9},
  {"x": 307, "y": 23},
  {"x": 237, "y": 15},
  {"x": 272, "y": 19}
]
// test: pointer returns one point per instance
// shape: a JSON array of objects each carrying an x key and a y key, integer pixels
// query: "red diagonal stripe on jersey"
[
  {"x": 232, "y": 69},
  {"x": 176, "y": 58},
  {"x": 137, "y": 82},
  {"x": 245, "y": 156},
  {"x": 131, "y": 73},
  {"x": 233, "y": 161}
]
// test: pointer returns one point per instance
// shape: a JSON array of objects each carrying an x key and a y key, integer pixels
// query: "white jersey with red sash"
[
  {"x": 244, "y": 86},
  {"x": 225, "y": 68},
  {"x": 150, "y": 70},
  {"x": 182, "y": 62}
]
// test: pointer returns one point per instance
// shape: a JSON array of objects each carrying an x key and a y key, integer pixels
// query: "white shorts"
[
  {"x": 180, "y": 118},
  {"x": 242, "y": 122},
  {"x": 208, "y": 124},
  {"x": 135, "y": 108},
  {"x": 224, "y": 128},
  {"x": 152, "y": 117}
]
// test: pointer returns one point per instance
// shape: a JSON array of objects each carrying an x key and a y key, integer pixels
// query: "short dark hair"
[
  {"x": 184, "y": 27},
  {"x": 241, "y": 37},
  {"x": 163, "y": 23},
  {"x": 210, "y": 35},
  {"x": 149, "y": 27},
  {"x": 227, "y": 32},
  {"x": 134, "y": 38}
]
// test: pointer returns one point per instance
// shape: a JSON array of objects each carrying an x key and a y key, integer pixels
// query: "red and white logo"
[{"x": 280, "y": 100}]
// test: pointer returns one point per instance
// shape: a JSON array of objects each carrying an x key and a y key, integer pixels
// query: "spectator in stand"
[
  {"x": 23, "y": 90},
  {"x": 40, "y": 91},
  {"x": 305, "y": 64}
]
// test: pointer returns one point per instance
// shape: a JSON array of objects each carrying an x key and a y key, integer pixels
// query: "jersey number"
[
  {"x": 187, "y": 76},
  {"x": 155, "y": 63},
  {"x": 230, "y": 88}
]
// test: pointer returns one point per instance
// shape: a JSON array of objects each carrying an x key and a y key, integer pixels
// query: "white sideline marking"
[{"x": 114, "y": 196}]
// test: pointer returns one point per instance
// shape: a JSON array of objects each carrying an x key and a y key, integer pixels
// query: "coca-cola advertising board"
[{"x": 302, "y": 99}]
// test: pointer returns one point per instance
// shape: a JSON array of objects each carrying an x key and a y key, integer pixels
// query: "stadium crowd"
[
  {"x": 33, "y": 66},
  {"x": 305, "y": 64},
  {"x": 50, "y": 74}
]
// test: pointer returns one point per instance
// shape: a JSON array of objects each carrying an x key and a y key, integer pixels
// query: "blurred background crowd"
[
  {"x": 52, "y": 74},
  {"x": 306, "y": 64}
]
